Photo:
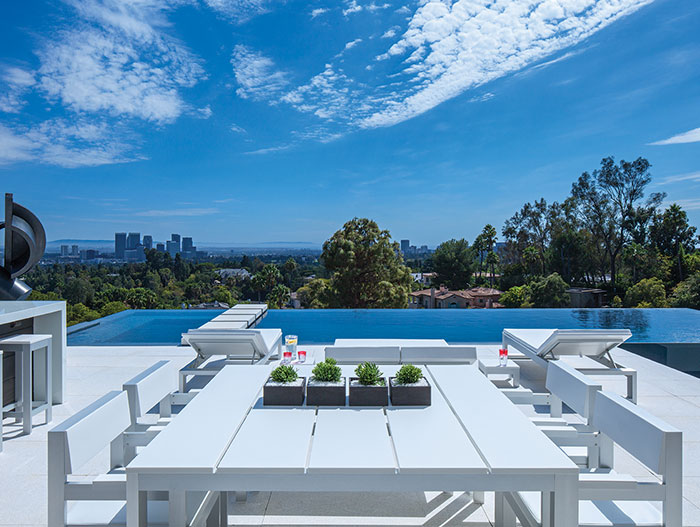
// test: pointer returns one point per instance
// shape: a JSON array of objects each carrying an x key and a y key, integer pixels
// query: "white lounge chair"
[
  {"x": 451, "y": 354},
  {"x": 224, "y": 324},
  {"x": 256, "y": 346},
  {"x": 357, "y": 354},
  {"x": 607, "y": 497},
  {"x": 587, "y": 350},
  {"x": 74, "y": 444}
]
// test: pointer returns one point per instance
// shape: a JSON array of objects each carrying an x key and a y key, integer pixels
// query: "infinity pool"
[{"x": 154, "y": 327}]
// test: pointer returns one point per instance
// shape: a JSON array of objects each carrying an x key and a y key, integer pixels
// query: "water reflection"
[{"x": 636, "y": 320}]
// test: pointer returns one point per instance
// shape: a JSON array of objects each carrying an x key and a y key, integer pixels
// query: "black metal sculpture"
[{"x": 25, "y": 242}]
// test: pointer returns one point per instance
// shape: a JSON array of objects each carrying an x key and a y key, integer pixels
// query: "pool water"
[{"x": 322, "y": 326}]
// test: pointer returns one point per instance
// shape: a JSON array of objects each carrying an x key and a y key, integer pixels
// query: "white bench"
[
  {"x": 31, "y": 397},
  {"x": 609, "y": 498},
  {"x": 101, "y": 501}
]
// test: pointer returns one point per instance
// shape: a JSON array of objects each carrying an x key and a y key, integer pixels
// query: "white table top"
[{"x": 225, "y": 429}]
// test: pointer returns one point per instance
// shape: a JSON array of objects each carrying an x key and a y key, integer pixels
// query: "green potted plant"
[
  {"x": 326, "y": 387},
  {"x": 369, "y": 388},
  {"x": 409, "y": 387},
  {"x": 284, "y": 387}
]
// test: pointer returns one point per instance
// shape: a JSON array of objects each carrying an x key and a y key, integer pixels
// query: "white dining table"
[{"x": 471, "y": 438}]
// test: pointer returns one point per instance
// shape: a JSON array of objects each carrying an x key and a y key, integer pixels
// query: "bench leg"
[
  {"x": 223, "y": 509},
  {"x": 49, "y": 386},
  {"x": 503, "y": 514},
  {"x": 177, "y": 508}
]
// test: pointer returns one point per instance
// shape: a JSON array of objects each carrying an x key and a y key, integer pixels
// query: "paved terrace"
[{"x": 92, "y": 371}]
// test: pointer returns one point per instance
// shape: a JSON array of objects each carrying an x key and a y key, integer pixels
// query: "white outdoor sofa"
[
  {"x": 610, "y": 498},
  {"x": 101, "y": 500},
  {"x": 587, "y": 350},
  {"x": 400, "y": 351},
  {"x": 255, "y": 346}
]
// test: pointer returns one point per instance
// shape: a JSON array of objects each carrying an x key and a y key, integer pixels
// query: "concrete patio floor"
[{"x": 93, "y": 371}]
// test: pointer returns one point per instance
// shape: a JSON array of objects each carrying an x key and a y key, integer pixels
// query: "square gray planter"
[
  {"x": 284, "y": 394},
  {"x": 320, "y": 393},
  {"x": 417, "y": 394},
  {"x": 361, "y": 395}
]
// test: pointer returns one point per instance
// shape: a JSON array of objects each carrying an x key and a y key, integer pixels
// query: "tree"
[
  {"x": 266, "y": 279},
  {"x": 549, "y": 291},
  {"x": 452, "y": 261},
  {"x": 648, "y": 292},
  {"x": 316, "y": 294},
  {"x": 687, "y": 293},
  {"x": 140, "y": 298},
  {"x": 607, "y": 202},
  {"x": 673, "y": 235},
  {"x": 112, "y": 307},
  {"x": 278, "y": 297},
  {"x": 516, "y": 296},
  {"x": 79, "y": 291},
  {"x": 367, "y": 267}
]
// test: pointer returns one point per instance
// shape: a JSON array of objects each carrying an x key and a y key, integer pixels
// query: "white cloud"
[
  {"x": 318, "y": 11},
  {"x": 119, "y": 60},
  {"x": 204, "y": 113},
  {"x": 352, "y": 44},
  {"x": 465, "y": 44},
  {"x": 329, "y": 95},
  {"x": 17, "y": 83},
  {"x": 269, "y": 150},
  {"x": 238, "y": 129},
  {"x": 239, "y": 10},
  {"x": 691, "y": 136},
  {"x": 157, "y": 213},
  {"x": 391, "y": 32},
  {"x": 352, "y": 6},
  {"x": 693, "y": 176},
  {"x": 13, "y": 147},
  {"x": 257, "y": 76},
  {"x": 687, "y": 204},
  {"x": 68, "y": 144}
]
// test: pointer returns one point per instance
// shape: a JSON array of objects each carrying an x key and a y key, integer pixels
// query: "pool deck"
[{"x": 92, "y": 371}]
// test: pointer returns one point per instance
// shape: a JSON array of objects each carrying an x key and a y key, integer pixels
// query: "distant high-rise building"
[
  {"x": 148, "y": 242},
  {"x": 74, "y": 251},
  {"x": 135, "y": 255},
  {"x": 133, "y": 240},
  {"x": 175, "y": 238},
  {"x": 160, "y": 247},
  {"x": 173, "y": 247},
  {"x": 119, "y": 245},
  {"x": 64, "y": 250},
  {"x": 187, "y": 245},
  {"x": 405, "y": 244}
]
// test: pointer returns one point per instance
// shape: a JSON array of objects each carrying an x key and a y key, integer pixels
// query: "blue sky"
[{"x": 252, "y": 120}]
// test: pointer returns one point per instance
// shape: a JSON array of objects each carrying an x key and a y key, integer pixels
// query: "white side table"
[
  {"x": 493, "y": 367},
  {"x": 25, "y": 405}
]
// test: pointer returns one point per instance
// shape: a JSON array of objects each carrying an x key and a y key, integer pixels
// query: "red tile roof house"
[{"x": 443, "y": 298}]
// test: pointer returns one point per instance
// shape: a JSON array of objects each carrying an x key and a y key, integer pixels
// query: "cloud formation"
[
  {"x": 257, "y": 75},
  {"x": 691, "y": 136},
  {"x": 17, "y": 83}
]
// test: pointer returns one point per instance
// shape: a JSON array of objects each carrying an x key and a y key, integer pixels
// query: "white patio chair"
[
  {"x": 451, "y": 354},
  {"x": 101, "y": 500},
  {"x": 587, "y": 350},
  {"x": 607, "y": 497},
  {"x": 358, "y": 354},
  {"x": 254, "y": 346}
]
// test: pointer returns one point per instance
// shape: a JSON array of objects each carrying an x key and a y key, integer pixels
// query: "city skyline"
[{"x": 378, "y": 110}]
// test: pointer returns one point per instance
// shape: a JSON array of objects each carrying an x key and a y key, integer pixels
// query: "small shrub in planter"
[
  {"x": 369, "y": 388},
  {"x": 284, "y": 387},
  {"x": 409, "y": 387},
  {"x": 327, "y": 385}
]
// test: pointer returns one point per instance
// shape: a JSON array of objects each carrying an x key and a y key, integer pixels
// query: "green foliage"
[
  {"x": 366, "y": 266},
  {"x": 687, "y": 293},
  {"x": 549, "y": 291},
  {"x": 368, "y": 374},
  {"x": 284, "y": 374},
  {"x": 266, "y": 279},
  {"x": 409, "y": 374},
  {"x": 516, "y": 296},
  {"x": 648, "y": 292},
  {"x": 278, "y": 297},
  {"x": 142, "y": 298},
  {"x": 38, "y": 295},
  {"x": 112, "y": 307},
  {"x": 327, "y": 371},
  {"x": 452, "y": 261},
  {"x": 616, "y": 302},
  {"x": 316, "y": 294},
  {"x": 80, "y": 313}
]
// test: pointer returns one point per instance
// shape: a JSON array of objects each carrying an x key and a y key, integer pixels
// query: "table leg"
[
  {"x": 565, "y": 498},
  {"x": 223, "y": 511},
  {"x": 27, "y": 393},
  {"x": 136, "y": 502},
  {"x": 504, "y": 515},
  {"x": 177, "y": 508},
  {"x": 49, "y": 387}
]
